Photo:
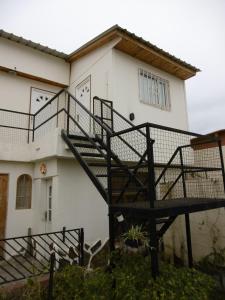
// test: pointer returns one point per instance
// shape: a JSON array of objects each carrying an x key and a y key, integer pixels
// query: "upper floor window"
[
  {"x": 23, "y": 192},
  {"x": 154, "y": 90}
]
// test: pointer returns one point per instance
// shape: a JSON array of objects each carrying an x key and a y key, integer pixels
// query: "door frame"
[
  {"x": 6, "y": 209},
  {"x": 86, "y": 79}
]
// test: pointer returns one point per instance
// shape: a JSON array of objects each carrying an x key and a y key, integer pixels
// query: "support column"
[
  {"x": 111, "y": 231},
  {"x": 188, "y": 238},
  {"x": 187, "y": 218},
  {"x": 153, "y": 245}
]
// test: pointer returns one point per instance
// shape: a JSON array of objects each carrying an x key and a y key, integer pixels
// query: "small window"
[
  {"x": 23, "y": 192},
  {"x": 154, "y": 90}
]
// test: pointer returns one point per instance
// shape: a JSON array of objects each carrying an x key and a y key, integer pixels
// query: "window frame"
[
  {"x": 167, "y": 105},
  {"x": 23, "y": 192}
]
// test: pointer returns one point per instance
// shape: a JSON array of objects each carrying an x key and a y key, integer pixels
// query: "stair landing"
[{"x": 166, "y": 208}]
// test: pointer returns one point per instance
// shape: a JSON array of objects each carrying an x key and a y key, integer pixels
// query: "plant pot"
[{"x": 133, "y": 243}]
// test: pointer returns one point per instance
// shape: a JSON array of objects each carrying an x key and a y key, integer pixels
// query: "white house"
[{"x": 42, "y": 185}]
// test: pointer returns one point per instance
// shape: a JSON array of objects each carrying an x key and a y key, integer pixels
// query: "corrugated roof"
[
  {"x": 117, "y": 28},
  {"x": 159, "y": 50},
  {"x": 39, "y": 47}
]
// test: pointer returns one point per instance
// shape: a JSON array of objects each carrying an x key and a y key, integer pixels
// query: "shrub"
[{"x": 129, "y": 279}]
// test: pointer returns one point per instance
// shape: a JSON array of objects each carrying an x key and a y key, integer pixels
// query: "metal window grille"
[{"x": 154, "y": 90}]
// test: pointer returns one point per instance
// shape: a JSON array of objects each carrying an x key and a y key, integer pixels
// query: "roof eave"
[{"x": 181, "y": 69}]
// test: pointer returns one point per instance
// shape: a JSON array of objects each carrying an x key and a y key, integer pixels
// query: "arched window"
[{"x": 23, "y": 192}]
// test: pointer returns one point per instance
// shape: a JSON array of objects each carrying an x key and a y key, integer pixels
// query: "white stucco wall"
[
  {"x": 125, "y": 93},
  {"x": 79, "y": 204},
  {"x": 15, "y": 91},
  {"x": 98, "y": 64},
  {"x": 33, "y": 62},
  {"x": 207, "y": 227}
]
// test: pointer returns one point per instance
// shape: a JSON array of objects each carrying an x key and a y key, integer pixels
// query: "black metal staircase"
[
  {"x": 149, "y": 173},
  {"x": 129, "y": 165}
]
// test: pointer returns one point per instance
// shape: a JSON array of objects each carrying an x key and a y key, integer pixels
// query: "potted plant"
[{"x": 135, "y": 239}]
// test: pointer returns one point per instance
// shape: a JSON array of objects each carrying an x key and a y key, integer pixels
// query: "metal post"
[
  {"x": 101, "y": 104},
  {"x": 109, "y": 183},
  {"x": 112, "y": 121},
  {"x": 151, "y": 171},
  {"x": 51, "y": 274},
  {"x": 187, "y": 218},
  {"x": 33, "y": 128},
  {"x": 81, "y": 247},
  {"x": 68, "y": 115},
  {"x": 222, "y": 163},
  {"x": 64, "y": 234},
  {"x": 153, "y": 245}
]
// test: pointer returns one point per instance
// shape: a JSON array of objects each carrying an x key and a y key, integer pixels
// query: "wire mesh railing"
[
  {"x": 182, "y": 168},
  {"x": 128, "y": 147},
  {"x": 14, "y": 127},
  {"x": 21, "y": 128},
  {"x": 27, "y": 256}
]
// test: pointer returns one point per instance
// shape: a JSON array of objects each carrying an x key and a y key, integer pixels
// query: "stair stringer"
[{"x": 85, "y": 166}]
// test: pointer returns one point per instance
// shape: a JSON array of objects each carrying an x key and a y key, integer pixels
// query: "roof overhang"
[
  {"x": 136, "y": 47},
  {"x": 210, "y": 140}
]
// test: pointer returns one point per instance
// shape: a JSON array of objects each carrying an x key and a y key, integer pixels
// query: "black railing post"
[
  {"x": 51, "y": 276},
  {"x": 109, "y": 185},
  {"x": 187, "y": 218},
  {"x": 183, "y": 173},
  {"x": 33, "y": 130},
  {"x": 222, "y": 163},
  {"x": 68, "y": 116},
  {"x": 81, "y": 247},
  {"x": 64, "y": 234},
  {"x": 101, "y": 104},
  {"x": 151, "y": 171},
  {"x": 153, "y": 241}
]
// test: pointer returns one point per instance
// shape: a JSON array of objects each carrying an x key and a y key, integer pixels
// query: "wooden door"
[{"x": 3, "y": 206}]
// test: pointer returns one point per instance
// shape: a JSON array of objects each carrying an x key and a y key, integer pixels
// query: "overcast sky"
[{"x": 193, "y": 30}]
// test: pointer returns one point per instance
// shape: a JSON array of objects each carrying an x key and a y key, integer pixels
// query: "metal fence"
[{"x": 27, "y": 256}]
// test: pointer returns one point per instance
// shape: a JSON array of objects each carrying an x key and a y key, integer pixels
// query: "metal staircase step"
[
  {"x": 84, "y": 145},
  {"x": 126, "y": 192},
  {"x": 91, "y": 154},
  {"x": 81, "y": 137},
  {"x": 113, "y": 175},
  {"x": 98, "y": 164}
]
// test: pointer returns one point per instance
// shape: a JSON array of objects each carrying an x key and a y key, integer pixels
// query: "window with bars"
[
  {"x": 24, "y": 192},
  {"x": 154, "y": 90}
]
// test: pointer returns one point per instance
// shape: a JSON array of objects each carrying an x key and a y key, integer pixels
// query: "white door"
[
  {"x": 48, "y": 211},
  {"x": 39, "y": 98},
  {"x": 83, "y": 95}
]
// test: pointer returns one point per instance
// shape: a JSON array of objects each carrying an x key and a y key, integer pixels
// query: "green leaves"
[
  {"x": 130, "y": 279},
  {"x": 135, "y": 233}
]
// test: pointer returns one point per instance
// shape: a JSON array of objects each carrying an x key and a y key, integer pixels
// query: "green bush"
[
  {"x": 134, "y": 281},
  {"x": 130, "y": 279}
]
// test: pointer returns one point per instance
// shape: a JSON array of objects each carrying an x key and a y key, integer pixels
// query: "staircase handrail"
[
  {"x": 89, "y": 113},
  {"x": 50, "y": 101},
  {"x": 117, "y": 113}
]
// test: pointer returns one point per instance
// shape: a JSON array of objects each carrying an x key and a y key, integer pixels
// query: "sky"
[{"x": 193, "y": 30}]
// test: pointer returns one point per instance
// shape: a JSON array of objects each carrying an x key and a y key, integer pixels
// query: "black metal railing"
[
  {"x": 27, "y": 256},
  {"x": 131, "y": 150},
  {"x": 19, "y": 127},
  {"x": 189, "y": 172}
]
